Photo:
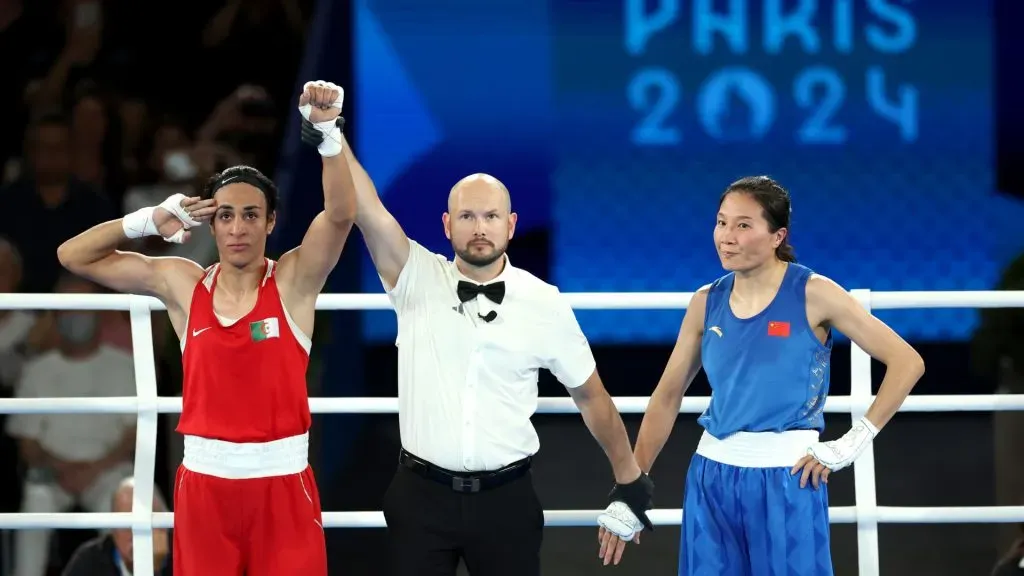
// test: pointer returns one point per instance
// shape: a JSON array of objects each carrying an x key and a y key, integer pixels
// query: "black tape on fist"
[
  {"x": 638, "y": 495},
  {"x": 313, "y": 137}
]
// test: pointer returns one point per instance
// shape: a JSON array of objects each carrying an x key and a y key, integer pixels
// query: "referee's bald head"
[
  {"x": 478, "y": 187},
  {"x": 479, "y": 222}
]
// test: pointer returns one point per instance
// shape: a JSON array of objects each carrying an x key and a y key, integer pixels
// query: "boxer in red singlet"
[{"x": 245, "y": 498}]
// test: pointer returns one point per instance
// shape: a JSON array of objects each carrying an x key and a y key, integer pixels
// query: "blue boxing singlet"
[{"x": 768, "y": 373}]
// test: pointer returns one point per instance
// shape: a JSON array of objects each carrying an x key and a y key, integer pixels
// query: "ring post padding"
[
  {"x": 865, "y": 499},
  {"x": 145, "y": 435}
]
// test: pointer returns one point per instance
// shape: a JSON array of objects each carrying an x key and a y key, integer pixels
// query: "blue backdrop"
[{"x": 617, "y": 124}]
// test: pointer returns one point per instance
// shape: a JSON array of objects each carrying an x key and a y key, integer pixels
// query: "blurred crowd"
[{"x": 111, "y": 106}]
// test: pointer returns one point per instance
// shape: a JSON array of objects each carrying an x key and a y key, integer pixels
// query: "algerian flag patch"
[{"x": 263, "y": 329}]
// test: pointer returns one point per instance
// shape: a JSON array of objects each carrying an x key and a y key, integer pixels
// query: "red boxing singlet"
[{"x": 244, "y": 382}]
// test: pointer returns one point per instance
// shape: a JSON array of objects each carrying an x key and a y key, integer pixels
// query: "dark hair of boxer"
[
  {"x": 775, "y": 206},
  {"x": 246, "y": 174}
]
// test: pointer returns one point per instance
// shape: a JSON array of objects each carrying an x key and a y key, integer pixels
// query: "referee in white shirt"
[{"x": 472, "y": 334}]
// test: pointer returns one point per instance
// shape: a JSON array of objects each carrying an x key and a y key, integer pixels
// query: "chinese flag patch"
[{"x": 780, "y": 329}]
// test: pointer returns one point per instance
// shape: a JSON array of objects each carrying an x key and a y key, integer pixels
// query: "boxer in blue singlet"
[{"x": 755, "y": 501}]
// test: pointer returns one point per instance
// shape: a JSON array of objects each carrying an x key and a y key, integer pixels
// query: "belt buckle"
[{"x": 460, "y": 484}]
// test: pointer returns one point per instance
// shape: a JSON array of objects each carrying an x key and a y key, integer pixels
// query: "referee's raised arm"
[{"x": 384, "y": 237}]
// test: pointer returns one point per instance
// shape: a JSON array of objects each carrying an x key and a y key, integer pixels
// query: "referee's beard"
[{"x": 474, "y": 256}]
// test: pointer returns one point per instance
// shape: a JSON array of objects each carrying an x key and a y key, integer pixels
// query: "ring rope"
[{"x": 866, "y": 513}]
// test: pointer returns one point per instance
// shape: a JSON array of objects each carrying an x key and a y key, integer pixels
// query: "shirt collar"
[{"x": 484, "y": 305}]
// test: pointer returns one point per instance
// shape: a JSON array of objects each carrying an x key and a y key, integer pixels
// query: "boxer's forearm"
[
  {"x": 92, "y": 245},
  {"x": 386, "y": 241},
  {"x": 339, "y": 190},
  {"x": 655, "y": 429},
  {"x": 901, "y": 375},
  {"x": 368, "y": 203},
  {"x": 605, "y": 423}
]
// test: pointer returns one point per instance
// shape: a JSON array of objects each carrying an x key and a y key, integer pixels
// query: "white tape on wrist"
[
  {"x": 620, "y": 520},
  {"x": 331, "y": 146},
  {"x": 838, "y": 454},
  {"x": 139, "y": 223}
]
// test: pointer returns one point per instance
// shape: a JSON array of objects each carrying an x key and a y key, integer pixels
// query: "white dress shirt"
[
  {"x": 76, "y": 437},
  {"x": 467, "y": 388}
]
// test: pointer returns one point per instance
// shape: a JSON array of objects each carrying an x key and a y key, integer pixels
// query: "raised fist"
[
  {"x": 320, "y": 105},
  {"x": 321, "y": 101}
]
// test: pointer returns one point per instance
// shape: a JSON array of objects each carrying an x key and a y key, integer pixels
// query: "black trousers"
[{"x": 497, "y": 532}]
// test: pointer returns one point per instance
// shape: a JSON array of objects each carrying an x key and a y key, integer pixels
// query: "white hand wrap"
[
  {"x": 140, "y": 223},
  {"x": 620, "y": 520},
  {"x": 838, "y": 454},
  {"x": 331, "y": 145}
]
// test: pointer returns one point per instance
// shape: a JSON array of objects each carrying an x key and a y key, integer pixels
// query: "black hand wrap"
[
  {"x": 313, "y": 137},
  {"x": 638, "y": 495}
]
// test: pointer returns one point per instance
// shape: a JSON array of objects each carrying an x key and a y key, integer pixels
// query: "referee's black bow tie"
[{"x": 494, "y": 291}]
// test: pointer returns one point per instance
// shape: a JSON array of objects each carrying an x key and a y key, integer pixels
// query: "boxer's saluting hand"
[
  {"x": 320, "y": 105},
  {"x": 171, "y": 219},
  {"x": 169, "y": 222}
]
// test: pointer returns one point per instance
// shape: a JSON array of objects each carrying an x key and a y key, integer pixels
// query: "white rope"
[
  {"x": 578, "y": 300},
  {"x": 142, "y": 520},
  {"x": 547, "y": 405},
  {"x": 557, "y": 518}
]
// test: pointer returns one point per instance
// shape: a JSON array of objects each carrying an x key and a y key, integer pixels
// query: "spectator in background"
[
  {"x": 112, "y": 554},
  {"x": 71, "y": 458},
  {"x": 173, "y": 165},
  {"x": 96, "y": 159},
  {"x": 246, "y": 123},
  {"x": 18, "y": 341},
  {"x": 26, "y": 36},
  {"x": 15, "y": 325},
  {"x": 134, "y": 117},
  {"x": 47, "y": 205},
  {"x": 96, "y": 154},
  {"x": 1013, "y": 563},
  {"x": 81, "y": 22},
  {"x": 235, "y": 40},
  {"x": 997, "y": 363}
]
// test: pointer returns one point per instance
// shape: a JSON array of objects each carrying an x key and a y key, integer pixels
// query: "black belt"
[{"x": 466, "y": 481}]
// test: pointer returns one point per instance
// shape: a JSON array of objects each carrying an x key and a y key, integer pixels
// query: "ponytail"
[{"x": 785, "y": 252}]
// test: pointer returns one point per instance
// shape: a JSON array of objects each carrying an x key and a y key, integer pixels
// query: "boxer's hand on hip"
[
  {"x": 320, "y": 105},
  {"x": 838, "y": 454}
]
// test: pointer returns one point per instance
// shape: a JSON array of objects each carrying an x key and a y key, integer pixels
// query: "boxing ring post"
[
  {"x": 145, "y": 434},
  {"x": 147, "y": 405},
  {"x": 864, "y": 497}
]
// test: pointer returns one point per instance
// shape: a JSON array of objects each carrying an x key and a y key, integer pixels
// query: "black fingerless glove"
[
  {"x": 638, "y": 495},
  {"x": 313, "y": 137}
]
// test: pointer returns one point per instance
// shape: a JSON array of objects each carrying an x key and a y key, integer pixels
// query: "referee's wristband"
[{"x": 638, "y": 495}]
